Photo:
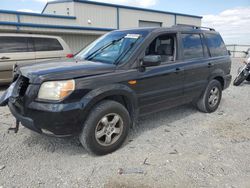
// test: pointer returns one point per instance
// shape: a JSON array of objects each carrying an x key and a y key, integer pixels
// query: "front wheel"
[
  {"x": 106, "y": 128},
  {"x": 210, "y": 100}
]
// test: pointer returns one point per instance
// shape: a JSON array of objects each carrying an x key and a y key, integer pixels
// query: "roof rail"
[{"x": 195, "y": 27}]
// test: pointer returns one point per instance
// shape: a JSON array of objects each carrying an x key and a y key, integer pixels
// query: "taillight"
[{"x": 70, "y": 55}]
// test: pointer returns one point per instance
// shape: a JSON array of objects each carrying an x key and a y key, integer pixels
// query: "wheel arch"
[
  {"x": 218, "y": 75},
  {"x": 119, "y": 93},
  {"x": 221, "y": 80}
]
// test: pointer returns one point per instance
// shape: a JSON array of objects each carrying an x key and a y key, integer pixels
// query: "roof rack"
[{"x": 195, "y": 27}]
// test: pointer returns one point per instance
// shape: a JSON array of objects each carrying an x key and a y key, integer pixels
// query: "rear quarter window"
[
  {"x": 216, "y": 45},
  {"x": 47, "y": 44}
]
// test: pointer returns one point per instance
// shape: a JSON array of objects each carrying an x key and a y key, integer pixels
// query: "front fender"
[{"x": 96, "y": 95}]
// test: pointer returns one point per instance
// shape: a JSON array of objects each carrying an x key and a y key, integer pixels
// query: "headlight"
[{"x": 56, "y": 90}]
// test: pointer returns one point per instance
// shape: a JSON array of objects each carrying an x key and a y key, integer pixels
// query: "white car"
[{"x": 23, "y": 49}]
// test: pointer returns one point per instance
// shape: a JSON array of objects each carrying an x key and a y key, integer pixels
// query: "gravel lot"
[{"x": 180, "y": 147}]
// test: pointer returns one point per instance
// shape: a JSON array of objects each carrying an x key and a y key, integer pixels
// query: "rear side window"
[
  {"x": 47, "y": 44},
  {"x": 216, "y": 45},
  {"x": 192, "y": 46},
  {"x": 14, "y": 44}
]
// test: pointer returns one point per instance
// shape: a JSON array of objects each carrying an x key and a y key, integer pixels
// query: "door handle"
[
  {"x": 3, "y": 58},
  {"x": 210, "y": 65}
]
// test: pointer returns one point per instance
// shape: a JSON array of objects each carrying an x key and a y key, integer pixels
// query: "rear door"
[
  {"x": 218, "y": 55},
  {"x": 14, "y": 50},
  {"x": 197, "y": 67},
  {"x": 47, "y": 49}
]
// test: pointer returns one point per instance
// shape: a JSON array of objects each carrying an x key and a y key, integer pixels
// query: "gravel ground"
[{"x": 180, "y": 147}]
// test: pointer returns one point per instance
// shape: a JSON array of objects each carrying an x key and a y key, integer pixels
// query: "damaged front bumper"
[
  {"x": 53, "y": 119},
  {"x": 25, "y": 121}
]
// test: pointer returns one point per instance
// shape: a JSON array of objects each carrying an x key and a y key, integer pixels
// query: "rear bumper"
[{"x": 228, "y": 80}]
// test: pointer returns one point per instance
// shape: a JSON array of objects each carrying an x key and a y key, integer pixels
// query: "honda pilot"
[{"x": 99, "y": 94}]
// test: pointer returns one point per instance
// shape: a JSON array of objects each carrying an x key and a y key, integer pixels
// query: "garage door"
[{"x": 149, "y": 24}]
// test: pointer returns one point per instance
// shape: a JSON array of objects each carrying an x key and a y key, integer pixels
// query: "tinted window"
[
  {"x": 216, "y": 45},
  {"x": 192, "y": 46},
  {"x": 47, "y": 44},
  {"x": 13, "y": 44}
]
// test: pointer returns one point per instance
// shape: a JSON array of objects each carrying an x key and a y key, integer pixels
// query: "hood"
[{"x": 64, "y": 69}]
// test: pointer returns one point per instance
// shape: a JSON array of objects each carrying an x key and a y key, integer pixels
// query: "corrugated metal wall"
[
  {"x": 77, "y": 42},
  {"x": 66, "y": 9},
  {"x": 100, "y": 16},
  {"x": 188, "y": 20},
  {"x": 130, "y": 18},
  {"x": 46, "y": 20}
]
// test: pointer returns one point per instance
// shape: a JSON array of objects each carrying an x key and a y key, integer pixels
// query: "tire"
[
  {"x": 204, "y": 104},
  {"x": 240, "y": 78},
  {"x": 100, "y": 126}
]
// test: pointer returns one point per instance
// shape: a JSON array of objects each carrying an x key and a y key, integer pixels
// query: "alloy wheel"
[{"x": 109, "y": 129}]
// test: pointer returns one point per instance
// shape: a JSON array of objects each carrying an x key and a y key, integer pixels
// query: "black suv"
[{"x": 100, "y": 93}]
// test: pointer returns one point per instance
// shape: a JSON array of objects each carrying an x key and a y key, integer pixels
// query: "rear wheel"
[
  {"x": 211, "y": 98},
  {"x": 106, "y": 128}
]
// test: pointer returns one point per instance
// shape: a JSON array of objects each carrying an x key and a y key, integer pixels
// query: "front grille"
[
  {"x": 21, "y": 86},
  {"x": 20, "y": 89}
]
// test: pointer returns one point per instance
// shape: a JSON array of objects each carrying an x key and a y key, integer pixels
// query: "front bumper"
[
  {"x": 58, "y": 122},
  {"x": 27, "y": 122}
]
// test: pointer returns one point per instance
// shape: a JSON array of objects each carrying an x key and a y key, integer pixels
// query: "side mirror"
[{"x": 151, "y": 60}]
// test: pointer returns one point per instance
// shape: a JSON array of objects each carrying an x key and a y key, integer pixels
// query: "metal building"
[{"x": 79, "y": 22}]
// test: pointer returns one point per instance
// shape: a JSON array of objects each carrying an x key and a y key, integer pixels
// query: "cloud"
[
  {"x": 138, "y": 3},
  {"x": 233, "y": 24},
  {"x": 28, "y": 10}
]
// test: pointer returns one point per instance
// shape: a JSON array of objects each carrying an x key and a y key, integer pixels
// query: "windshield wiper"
[{"x": 100, "y": 50}]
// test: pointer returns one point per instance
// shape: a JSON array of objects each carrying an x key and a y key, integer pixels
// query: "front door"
[{"x": 161, "y": 87}]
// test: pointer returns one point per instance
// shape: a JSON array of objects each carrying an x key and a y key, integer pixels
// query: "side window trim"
[{"x": 205, "y": 46}]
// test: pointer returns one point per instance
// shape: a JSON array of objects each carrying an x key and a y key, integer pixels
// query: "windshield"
[{"x": 112, "y": 47}]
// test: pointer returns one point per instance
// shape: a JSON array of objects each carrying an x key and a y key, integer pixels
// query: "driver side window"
[{"x": 165, "y": 46}]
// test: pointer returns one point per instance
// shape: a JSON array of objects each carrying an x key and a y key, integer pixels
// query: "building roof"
[{"x": 119, "y": 6}]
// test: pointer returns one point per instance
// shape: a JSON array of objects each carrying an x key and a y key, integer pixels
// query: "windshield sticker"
[{"x": 132, "y": 36}]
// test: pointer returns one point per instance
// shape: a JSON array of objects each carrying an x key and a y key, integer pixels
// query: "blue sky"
[{"x": 230, "y": 17}]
